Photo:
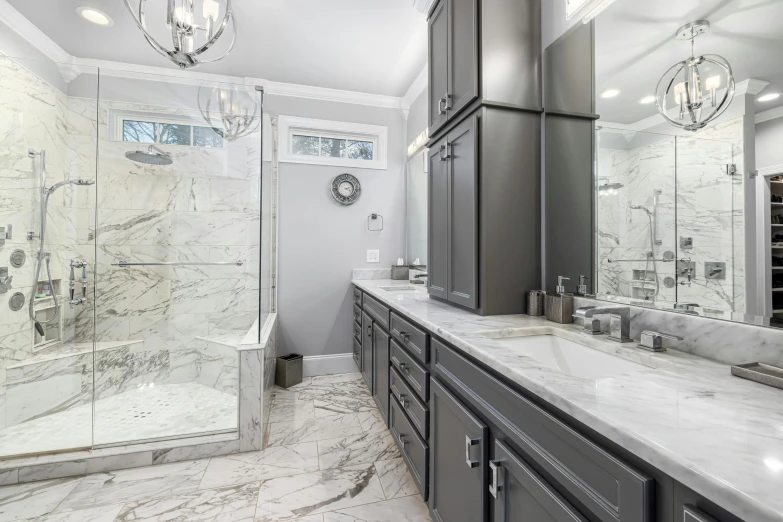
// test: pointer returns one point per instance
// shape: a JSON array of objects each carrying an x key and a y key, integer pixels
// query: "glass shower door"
[
  {"x": 710, "y": 223},
  {"x": 178, "y": 244},
  {"x": 47, "y": 197}
]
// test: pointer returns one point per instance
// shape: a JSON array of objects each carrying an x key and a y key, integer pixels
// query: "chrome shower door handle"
[
  {"x": 468, "y": 444},
  {"x": 494, "y": 487}
]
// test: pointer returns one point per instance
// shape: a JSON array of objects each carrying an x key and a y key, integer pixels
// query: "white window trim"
[
  {"x": 290, "y": 125},
  {"x": 117, "y": 116}
]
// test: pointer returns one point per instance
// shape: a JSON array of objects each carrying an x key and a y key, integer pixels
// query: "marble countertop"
[{"x": 720, "y": 435}]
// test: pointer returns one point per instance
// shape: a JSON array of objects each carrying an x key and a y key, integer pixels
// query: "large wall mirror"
[
  {"x": 687, "y": 208},
  {"x": 416, "y": 210}
]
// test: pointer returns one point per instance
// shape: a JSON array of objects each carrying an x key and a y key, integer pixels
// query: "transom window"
[
  {"x": 332, "y": 147},
  {"x": 171, "y": 134}
]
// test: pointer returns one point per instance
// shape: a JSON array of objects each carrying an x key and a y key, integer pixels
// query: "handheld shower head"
[
  {"x": 77, "y": 181},
  {"x": 641, "y": 207},
  {"x": 153, "y": 156}
]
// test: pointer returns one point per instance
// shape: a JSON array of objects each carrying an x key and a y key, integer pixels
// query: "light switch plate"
[{"x": 373, "y": 256}]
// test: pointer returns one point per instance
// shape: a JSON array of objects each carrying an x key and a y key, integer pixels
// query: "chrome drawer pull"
[
  {"x": 493, "y": 486},
  {"x": 405, "y": 337},
  {"x": 468, "y": 443},
  {"x": 404, "y": 400},
  {"x": 693, "y": 514},
  {"x": 401, "y": 438}
]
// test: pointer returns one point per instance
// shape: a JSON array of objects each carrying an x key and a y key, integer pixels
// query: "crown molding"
[
  {"x": 750, "y": 86},
  {"x": 770, "y": 114},
  {"x": 73, "y": 66}
]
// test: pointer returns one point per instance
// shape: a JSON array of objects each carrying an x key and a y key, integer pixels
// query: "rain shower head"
[{"x": 153, "y": 156}]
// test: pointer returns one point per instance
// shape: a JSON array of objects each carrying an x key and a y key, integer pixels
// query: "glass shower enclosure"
[{"x": 132, "y": 213}]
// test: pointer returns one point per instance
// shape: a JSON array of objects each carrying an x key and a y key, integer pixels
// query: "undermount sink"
[
  {"x": 400, "y": 288},
  {"x": 568, "y": 357}
]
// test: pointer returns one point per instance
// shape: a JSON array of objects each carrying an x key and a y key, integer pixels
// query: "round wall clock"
[{"x": 346, "y": 189}]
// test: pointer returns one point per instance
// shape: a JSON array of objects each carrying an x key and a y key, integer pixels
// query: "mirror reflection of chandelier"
[
  {"x": 232, "y": 112},
  {"x": 698, "y": 89},
  {"x": 187, "y": 25}
]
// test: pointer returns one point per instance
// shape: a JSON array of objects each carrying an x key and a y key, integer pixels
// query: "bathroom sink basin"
[
  {"x": 400, "y": 288},
  {"x": 569, "y": 357}
]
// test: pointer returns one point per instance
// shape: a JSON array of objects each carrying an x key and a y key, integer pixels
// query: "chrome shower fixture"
[
  {"x": 696, "y": 96},
  {"x": 609, "y": 188},
  {"x": 641, "y": 207},
  {"x": 153, "y": 156},
  {"x": 182, "y": 24}
]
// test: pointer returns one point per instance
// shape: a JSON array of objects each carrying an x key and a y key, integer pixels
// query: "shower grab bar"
[
  {"x": 610, "y": 260},
  {"x": 124, "y": 264}
]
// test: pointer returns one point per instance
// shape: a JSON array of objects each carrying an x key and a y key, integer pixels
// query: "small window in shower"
[{"x": 169, "y": 133}]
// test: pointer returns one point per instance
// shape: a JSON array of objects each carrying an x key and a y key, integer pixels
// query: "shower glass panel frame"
[
  {"x": 48, "y": 172},
  {"x": 668, "y": 220}
]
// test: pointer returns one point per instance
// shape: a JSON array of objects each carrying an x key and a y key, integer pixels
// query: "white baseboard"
[{"x": 329, "y": 364}]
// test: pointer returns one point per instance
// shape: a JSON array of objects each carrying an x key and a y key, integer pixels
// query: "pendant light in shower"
[
  {"x": 698, "y": 89},
  {"x": 187, "y": 25},
  {"x": 232, "y": 112}
]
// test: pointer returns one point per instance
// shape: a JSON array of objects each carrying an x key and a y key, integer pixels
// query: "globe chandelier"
[
  {"x": 699, "y": 89},
  {"x": 186, "y": 28},
  {"x": 232, "y": 112}
]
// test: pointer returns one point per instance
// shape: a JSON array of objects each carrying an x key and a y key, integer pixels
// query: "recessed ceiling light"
[
  {"x": 647, "y": 100},
  {"x": 611, "y": 93},
  {"x": 95, "y": 16},
  {"x": 769, "y": 97}
]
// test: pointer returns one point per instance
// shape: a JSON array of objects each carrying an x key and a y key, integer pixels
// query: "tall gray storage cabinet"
[{"x": 485, "y": 153}]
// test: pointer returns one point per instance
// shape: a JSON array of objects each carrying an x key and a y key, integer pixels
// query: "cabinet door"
[
  {"x": 367, "y": 350},
  {"x": 458, "y": 470},
  {"x": 381, "y": 370},
  {"x": 521, "y": 495},
  {"x": 463, "y": 54},
  {"x": 438, "y": 222},
  {"x": 438, "y": 66},
  {"x": 463, "y": 213}
]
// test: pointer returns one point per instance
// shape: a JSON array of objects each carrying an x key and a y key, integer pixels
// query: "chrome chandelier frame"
[
  {"x": 691, "y": 111},
  {"x": 235, "y": 120},
  {"x": 179, "y": 18}
]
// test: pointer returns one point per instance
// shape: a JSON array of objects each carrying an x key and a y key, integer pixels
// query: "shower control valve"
[{"x": 78, "y": 301}]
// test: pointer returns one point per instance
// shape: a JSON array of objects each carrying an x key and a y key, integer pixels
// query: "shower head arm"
[{"x": 159, "y": 151}]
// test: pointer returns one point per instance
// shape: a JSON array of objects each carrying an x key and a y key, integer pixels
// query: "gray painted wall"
[
  {"x": 417, "y": 117},
  {"x": 320, "y": 241},
  {"x": 769, "y": 138},
  {"x": 553, "y": 21}
]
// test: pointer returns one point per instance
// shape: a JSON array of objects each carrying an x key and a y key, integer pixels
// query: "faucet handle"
[{"x": 652, "y": 341}]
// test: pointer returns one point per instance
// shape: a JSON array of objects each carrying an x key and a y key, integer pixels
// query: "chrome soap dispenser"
[{"x": 559, "y": 304}]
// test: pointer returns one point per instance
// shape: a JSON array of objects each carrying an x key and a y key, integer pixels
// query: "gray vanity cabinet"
[
  {"x": 367, "y": 349},
  {"x": 458, "y": 460},
  {"x": 381, "y": 370},
  {"x": 520, "y": 494},
  {"x": 438, "y": 68},
  {"x": 438, "y": 223}
]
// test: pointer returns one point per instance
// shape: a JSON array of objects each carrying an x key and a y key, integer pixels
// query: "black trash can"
[{"x": 288, "y": 371}]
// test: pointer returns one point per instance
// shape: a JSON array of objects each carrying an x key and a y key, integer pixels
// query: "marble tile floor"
[
  {"x": 148, "y": 412},
  {"x": 311, "y": 476}
]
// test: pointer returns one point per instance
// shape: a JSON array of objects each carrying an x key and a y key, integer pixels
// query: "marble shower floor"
[
  {"x": 148, "y": 412},
  {"x": 324, "y": 464}
]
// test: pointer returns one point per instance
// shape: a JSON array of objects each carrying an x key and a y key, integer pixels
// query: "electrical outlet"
[{"x": 373, "y": 256}]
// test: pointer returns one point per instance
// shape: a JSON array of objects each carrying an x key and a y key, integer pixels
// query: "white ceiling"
[
  {"x": 376, "y": 47},
  {"x": 635, "y": 45}
]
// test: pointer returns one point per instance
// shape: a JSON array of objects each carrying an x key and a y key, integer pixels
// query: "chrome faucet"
[
  {"x": 76, "y": 301},
  {"x": 619, "y": 321}
]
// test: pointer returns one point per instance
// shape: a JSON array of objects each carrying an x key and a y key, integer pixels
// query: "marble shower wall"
[{"x": 697, "y": 199}]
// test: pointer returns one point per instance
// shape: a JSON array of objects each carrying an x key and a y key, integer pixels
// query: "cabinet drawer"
[
  {"x": 357, "y": 296},
  {"x": 357, "y": 352},
  {"x": 414, "y": 450},
  {"x": 414, "y": 374},
  {"x": 689, "y": 506},
  {"x": 377, "y": 311},
  {"x": 418, "y": 413},
  {"x": 608, "y": 487},
  {"x": 414, "y": 339},
  {"x": 357, "y": 333},
  {"x": 357, "y": 314}
]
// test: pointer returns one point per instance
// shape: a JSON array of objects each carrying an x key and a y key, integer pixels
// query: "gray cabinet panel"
[
  {"x": 414, "y": 450},
  {"x": 417, "y": 412},
  {"x": 569, "y": 81},
  {"x": 438, "y": 222},
  {"x": 357, "y": 354},
  {"x": 378, "y": 311},
  {"x": 462, "y": 149},
  {"x": 415, "y": 374},
  {"x": 357, "y": 314},
  {"x": 357, "y": 331},
  {"x": 414, "y": 339},
  {"x": 367, "y": 350},
  {"x": 610, "y": 489},
  {"x": 689, "y": 506},
  {"x": 438, "y": 66},
  {"x": 357, "y": 296},
  {"x": 463, "y": 54},
  {"x": 522, "y": 495},
  {"x": 458, "y": 468},
  {"x": 381, "y": 370}
]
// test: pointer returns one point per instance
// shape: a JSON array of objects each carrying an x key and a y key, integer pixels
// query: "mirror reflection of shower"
[
  {"x": 44, "y": 256},
  {"x": 652, "y": 216},
  {"x": 153, "y": 156}
]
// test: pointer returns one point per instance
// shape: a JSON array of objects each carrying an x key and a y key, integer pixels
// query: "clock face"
[{"x": 346, "y": 189}]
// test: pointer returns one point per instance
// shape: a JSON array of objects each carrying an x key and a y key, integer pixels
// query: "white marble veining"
[{"x": 720, "y": 435}]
